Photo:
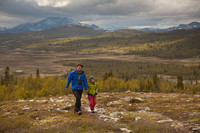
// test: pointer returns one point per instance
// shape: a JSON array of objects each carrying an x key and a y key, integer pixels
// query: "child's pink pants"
[{"x": 92, "y": 100}]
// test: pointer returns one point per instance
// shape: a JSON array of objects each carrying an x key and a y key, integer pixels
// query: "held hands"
[{"x": 85, "y": 91}]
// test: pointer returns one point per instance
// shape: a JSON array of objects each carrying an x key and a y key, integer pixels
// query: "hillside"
[
  {"x": 69, "y": 31},
  {"x": 173, "y": 44},
  {"x": 124, "y": 33},
  {"x": 163, "y": 45},
  {"x": 23, "y": 39},
  {"x": 115, "y": 112}
]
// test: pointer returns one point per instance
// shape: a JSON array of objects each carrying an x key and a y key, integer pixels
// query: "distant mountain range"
[
  {"x": 52, "y": 22},
  {"x": 47, "y": 23},
  {"x": 180, "y": 27}
]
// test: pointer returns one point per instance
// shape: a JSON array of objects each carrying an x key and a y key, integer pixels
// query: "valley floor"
[
  {"x": 115, "y": 112},
  {"x": 48, "y": 61}
]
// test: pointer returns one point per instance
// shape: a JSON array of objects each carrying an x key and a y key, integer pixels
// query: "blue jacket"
[{"x": 74, "y": 78}]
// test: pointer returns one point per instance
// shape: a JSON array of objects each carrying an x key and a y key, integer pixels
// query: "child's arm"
[{"x": 96, "y": 89}]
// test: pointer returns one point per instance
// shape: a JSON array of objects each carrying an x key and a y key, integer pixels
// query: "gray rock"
[
  {"x": 126, "y": 130},
  {"x": 163, "y": 121},
  {"x": 196, "y": 129},
  {"x": 137, "y": 118},
  {"x": 25, "y": 108}
]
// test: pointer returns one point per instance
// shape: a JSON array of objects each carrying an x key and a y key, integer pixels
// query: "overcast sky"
[{"x": 104, "y": 13}]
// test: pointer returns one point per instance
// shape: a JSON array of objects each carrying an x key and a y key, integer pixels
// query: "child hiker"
[{"x": 92, "y": 92}]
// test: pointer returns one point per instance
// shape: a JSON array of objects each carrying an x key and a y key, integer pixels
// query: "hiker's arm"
[
  {"x": 69, "y": 78},
  {"x": 85, "y": 82}
]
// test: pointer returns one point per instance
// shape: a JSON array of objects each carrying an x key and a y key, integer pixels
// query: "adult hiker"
[{"x": 79, "y": 81}]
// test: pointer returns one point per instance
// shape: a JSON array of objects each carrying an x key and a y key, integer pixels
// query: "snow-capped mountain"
[
  {"x": 114, "y": 28},
  {"x": 44, "y": 24},
  {"x": 93, "y": 26},
  {"x": 152, "y": 29},
  {"x": 185, "y": 26},
  {"x": 51, "y": 22},
  {"x": 179, "y": 27},
  {"x": 41, "y": 25}
]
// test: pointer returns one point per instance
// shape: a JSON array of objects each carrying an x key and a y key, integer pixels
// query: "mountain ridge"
[
  {"x": 52, "y": 22},
  {"x": 191, "y": 25},
  {"x": 45, "y": 24}
]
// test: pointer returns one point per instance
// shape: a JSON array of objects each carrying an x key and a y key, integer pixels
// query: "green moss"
[{"x": 9, "y": 124}]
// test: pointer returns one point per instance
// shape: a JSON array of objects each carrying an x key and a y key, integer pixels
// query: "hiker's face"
[
  {"x": 79, "y": 68},
  {"x": 92, "y": 80}
]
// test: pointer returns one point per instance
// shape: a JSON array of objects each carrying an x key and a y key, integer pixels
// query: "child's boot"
[{"x": 92, "y": 110}]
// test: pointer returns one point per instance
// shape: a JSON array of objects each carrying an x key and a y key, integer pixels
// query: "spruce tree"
[
  {"x": 156, "y": 82},
  {"x": 180, "y": 82},
  {"x": 7, "y": 75},
  {"x": 195, "y": 74},
  {"x": 105, "y": 76},
  {"x": 126, "y": 78},
  {"x": 38, "y": 73},
  {"x": 1, "y": 80},
  {"x": 110, "y": 74}
]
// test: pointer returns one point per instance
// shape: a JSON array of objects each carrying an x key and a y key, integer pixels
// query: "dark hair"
[{"x": 79, "y": 65}]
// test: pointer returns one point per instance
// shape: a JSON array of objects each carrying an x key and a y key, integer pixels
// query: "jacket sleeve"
[
  {"x": 85, "y": 81},
  {"x": 69, "y": 78},
  {"x": 96, "y": 89}
]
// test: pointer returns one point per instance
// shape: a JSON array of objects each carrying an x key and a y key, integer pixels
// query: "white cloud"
[
  {"x": 158, "y": 13},
  {"x": 51, "y": 3}
]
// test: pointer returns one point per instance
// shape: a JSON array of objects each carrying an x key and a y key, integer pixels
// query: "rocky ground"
[{"x": 115, "y": 112}]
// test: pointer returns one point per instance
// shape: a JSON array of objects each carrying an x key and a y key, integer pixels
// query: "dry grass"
[
  {"x": 55, "y": 114},
  {"x": 49, "y": 115},
  {"x": 147, "y": 126}
]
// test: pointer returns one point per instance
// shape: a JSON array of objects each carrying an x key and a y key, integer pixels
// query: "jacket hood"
[{"x": 91, "y": 77}]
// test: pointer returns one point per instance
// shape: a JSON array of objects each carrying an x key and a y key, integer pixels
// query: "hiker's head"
[
  {"x": 79, "y": 67},
  {"x": 92, "y": 79}
]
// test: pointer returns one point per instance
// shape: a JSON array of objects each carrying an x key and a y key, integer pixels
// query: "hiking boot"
[
  {"x": 79, "y": 113},
  {"x": 75, "y": 111},
  {"x": 92, "y": 110}
]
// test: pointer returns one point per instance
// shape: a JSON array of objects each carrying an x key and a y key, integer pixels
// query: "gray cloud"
[
  {"x": 25, "y": 8},
  {"x": 108, "y": 7},
  {"x": 103, "y": 12}
]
